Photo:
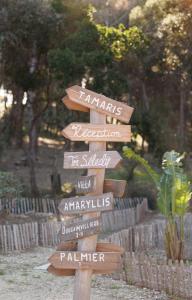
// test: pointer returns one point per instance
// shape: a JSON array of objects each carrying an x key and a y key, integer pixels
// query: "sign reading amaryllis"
[
  {"x": 86, "y": 203},
  {"x": 100, "y": 103},
  {"x": 80, "y": 229},
  {"x": 91, "y": 159},
  {"x": 97, "y": 132}
]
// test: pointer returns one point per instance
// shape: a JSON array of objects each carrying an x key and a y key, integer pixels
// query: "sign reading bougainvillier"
[
  {"x": 86, "y": 203},
  {"x": 81, "y": 229},
  {"x": 92, "y": 159}
]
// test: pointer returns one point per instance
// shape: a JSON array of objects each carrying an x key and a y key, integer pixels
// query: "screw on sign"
[{"x": 79, "y": 254}]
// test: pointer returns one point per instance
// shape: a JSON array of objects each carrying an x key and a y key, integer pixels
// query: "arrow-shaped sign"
[
  {"x": 86, "y": 204},
  {"x": 80, "y": 229},
  {"x": 100, "y": 103},
  {"x": 93, "y": 159},
  {"x": 74, "y": 106},
  {"x": 97, "y": 133}
]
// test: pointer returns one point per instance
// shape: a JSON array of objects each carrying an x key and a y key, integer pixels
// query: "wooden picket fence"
[
  {"x": 28, "y": 235},
  {"x": 46, "y": 205},
  {"x": 27, "y": 205},
  {"x": 144, "y": 271},
  {"x": 145, "y": 237}
]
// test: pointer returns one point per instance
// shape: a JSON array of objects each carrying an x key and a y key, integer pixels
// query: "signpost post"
[{"x": 79, "y": 252}]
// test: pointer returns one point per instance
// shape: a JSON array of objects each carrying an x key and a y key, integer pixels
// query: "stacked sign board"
[{"x": 79, "y": 253}]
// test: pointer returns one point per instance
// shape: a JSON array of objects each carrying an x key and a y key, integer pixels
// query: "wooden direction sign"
[
  {"x": 85, "y": 184},
  {"x": 100, "y": 103},
  {"x": 81, "y": 229},
  {"x": 74, "y": 106},
  {"x": 117, "y": 187},
  {"x": 100, "y": 247},
  {"x": 72, "y": 246},
  {"x": 91, "y": 159},
  {"x": 86, "y": 204},
  {"x": 96, "y": 132},
  {"x": 86, "y": 260}
]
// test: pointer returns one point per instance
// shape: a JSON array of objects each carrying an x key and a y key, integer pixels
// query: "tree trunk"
[
  {"x": 16, "y": 117},
  {"x": 33, "y": 137},
  {"x": 182, "y": 118}
]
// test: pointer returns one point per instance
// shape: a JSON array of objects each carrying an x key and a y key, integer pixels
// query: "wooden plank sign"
[
  {"x": 74, "y": 106},
  {"x": 71, "y": 272},
  {"x": 81, "y": 229},
  {"x": 117, "y": 187},
  {"x": 85, "y": 184},
  {"x": 97, "y": 133},
  {"x": 91, "y": 159},
  {"x": 100, "y": 247},
  {"x": 100, "y": 103},
  {"x": 86, "y": 204},
  {"x": 86, "y": 260}
]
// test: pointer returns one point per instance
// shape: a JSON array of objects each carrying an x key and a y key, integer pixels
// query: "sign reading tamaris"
[
  {"x": 100, "y": 103},
  {"x": 86, "y": 204}
]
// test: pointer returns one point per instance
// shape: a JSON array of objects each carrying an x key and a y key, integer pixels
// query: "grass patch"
[{"x": 2, "y": 272}]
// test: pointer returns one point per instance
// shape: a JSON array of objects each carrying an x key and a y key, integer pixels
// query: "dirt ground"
[{"x": 20, "y": 279}]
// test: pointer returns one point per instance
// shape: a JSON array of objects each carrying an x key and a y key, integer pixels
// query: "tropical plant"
[{"x": 174, "y": 194}]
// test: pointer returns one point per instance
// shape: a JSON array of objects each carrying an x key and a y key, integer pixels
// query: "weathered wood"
[
  {"x": 86, "y": 260},
  {"x": 85, "y": 184},
  {"x": 86, "y": 204},
  {"x": 117, "y": 187},
  {"x": 100, "y": 103},
  {"x": 74, "y": 106},
  {"x": 83, "y": 278},
  {"x": 97, "y": 132},
  {"x": 80, "y": 229},
  {"x": 93, "y": 159},
  {"x": 100, "y": 247},
  {"x": 70, "y": 272}
]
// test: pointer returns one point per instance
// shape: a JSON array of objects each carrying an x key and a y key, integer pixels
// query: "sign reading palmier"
[
  {"x": 97, "y": 133},
  {"x": 81, "y": 229},
  {"x": 86, "y": 203},
  {"x": 93, "y": 159},
  {"x": 100, "y": 103},
  {"x": 86, "y": 260}
]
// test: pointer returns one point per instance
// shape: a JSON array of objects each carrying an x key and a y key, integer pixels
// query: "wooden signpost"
[
  {"x": 86, "y": 203},
  {"x": 80, "y": 230},
  {"x": 90, "y": 160},
  {"x": 97, "y": 132},
  {"x": 79, "y": 253},
  {"x": 85, "y": 184}
]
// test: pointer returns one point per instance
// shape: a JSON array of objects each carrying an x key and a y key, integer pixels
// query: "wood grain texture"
[
  {"x": 83, "y": 278},
  {"x": 85, "y": 184},
  {"x": 91, "y": 159},
  {"x": 100, "y": 247},
  {"x": 97, "y": 132},
  {"x": 85, "y": 204},
  {"x": 100, "y": 103},
  {"x": 80, "y": 229},
  {"x": 74, "y": 106},
  {"x": 70, "y": 272},
  {"x": 86, "y": 260},
  {"x": 117, "y": 187}
]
